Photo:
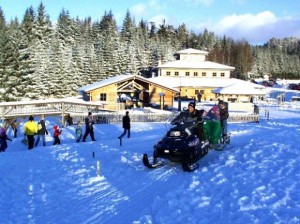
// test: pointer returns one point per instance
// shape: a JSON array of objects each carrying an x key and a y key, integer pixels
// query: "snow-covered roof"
[
  {"x": 51, "y": 101},
  {"x": 245, "y": 88},
  {"x": 175, "y": 82},
  {"x": 195, "y": 65},
  {"x": 119, "y": 78},
  {"x": 192, "y": 51}
]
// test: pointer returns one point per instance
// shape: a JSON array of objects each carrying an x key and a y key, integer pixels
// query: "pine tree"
[{"x": 109, "y": 42}]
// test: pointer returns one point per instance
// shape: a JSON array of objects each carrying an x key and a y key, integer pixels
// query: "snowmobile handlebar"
[{"x": 186, "y": 124}]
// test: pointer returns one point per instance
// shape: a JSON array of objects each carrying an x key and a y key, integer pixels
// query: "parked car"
[
  {"x": 294, "y": 86},
  {"x": 297, "y": 87}
]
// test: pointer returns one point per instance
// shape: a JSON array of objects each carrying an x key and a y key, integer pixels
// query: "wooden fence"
[{"x": 113, "y": 118}]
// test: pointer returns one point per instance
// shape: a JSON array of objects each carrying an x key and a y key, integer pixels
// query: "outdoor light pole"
[
  {"x": 179, "y": 97},
  {"x": 162, "y": 100}
]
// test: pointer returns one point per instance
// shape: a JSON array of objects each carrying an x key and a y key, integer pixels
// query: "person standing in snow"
[
  {"x": 199, "y": 96},
  {"x": 78, "y": 132},
  {"x": 41, "y": 131},
  {"x": 126, "y": 125},
  {"x": 56, "y": 134},
  {"x": 14, "y": 127},
  {"x": 3, "y": 139},
  {"x": 30, "y": 129},
  {"x": 223, "y": 117},
  {"x": 89, "y": 129}
]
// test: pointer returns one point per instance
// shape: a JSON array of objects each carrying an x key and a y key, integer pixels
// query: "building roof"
[
  {"x": 176, "y": 82},
  {"x": 192, "y": 51},
  {"x": 182, "y": 64},
  {"x": 243, "y": 88},
  {"x": 121, "y": 78}
]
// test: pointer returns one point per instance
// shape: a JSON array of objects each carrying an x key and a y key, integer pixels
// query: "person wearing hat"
[
  {"x": 223, "y": 117},
  {"x": 191, "y": 116},
  {"x": 89, "y": 129},
  {"x": 56, "y": 135},
  {"x": 30, "y": 129}
]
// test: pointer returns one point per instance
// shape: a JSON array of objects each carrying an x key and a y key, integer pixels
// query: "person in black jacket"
[
  {"x": 42, "y": 130},
  {"x": 89, "y": 129},
  {"x": 223, "y": 117},
  {"x": 3, "y": 138},
  {"x": 193, "y": 117},
  {"x": 126, "y": 125}
]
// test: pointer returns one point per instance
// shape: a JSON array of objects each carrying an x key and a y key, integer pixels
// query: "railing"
[
  {"x": 113, "y": 118},
  {"x": 78, "y": 111},
  {"x": 243, "y": 118},
  {"x": 63, "y": 107}
]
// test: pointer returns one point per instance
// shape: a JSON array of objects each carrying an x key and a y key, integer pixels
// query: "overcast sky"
[{"x": 255, "y": 21}]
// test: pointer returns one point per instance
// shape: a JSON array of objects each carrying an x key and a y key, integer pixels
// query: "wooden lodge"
[{"x": 127, "y": 91}]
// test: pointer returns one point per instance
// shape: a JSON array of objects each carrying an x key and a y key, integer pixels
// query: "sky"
[
  {"x": 254, "y": 180},
  {"x": 256, "y": 21}
]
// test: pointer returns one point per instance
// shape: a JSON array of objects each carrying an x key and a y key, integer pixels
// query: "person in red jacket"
[{"x": 57, "y": 132}]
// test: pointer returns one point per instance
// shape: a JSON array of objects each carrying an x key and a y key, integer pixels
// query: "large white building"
[
  {"x": 192, "y": 63},
  {"x": 191, "y": 74}
]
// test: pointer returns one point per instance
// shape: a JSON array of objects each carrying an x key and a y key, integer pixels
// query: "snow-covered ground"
[{"x": 255, "y": 180}]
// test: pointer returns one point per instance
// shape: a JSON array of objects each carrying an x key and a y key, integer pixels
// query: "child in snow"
[
  {"x": 57, "y": 132},
  {"x": 14, "y": 127},
  {"x": 78, "y": 132},
  {"x": 3, "y": 138}
]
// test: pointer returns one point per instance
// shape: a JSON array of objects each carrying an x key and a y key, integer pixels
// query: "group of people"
[
  {"x": 31, "y": 128},
  {"x": 191, "y": 115},
  {"x": 194, "y": 117}
]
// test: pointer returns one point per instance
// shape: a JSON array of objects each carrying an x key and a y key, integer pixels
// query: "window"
[
  {"x": 203, "y": 74},
  {"x": 168, "y": 73},
  {"x": 199, "y": 91},
  {"x": 195, "y": 73},
  {"x": 176, "y": 73},
  {"x": 102, "y": 96},
  {"x": 214, "y": 74},
  {"x": 187, "y": 73},
  {"x": 222, "y": 74}
]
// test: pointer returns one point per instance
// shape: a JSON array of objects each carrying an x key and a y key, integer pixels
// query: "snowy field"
[{"x": 255, "y": 180}]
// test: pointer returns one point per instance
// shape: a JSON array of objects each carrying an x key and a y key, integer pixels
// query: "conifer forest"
[{"x": 41, "y": 59}]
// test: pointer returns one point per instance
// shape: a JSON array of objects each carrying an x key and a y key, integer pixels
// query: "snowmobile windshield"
[{"x": 213, "y": 114}]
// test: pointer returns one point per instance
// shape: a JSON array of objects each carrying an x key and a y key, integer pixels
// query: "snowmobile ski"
[
  {"x": 153, "y": 165},
  {"x": 190, "y": 167}
]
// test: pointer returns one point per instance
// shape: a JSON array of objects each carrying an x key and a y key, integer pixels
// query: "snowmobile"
[
  {"x": 179, "y": 145},
  {"x": 182, "y": 145}
]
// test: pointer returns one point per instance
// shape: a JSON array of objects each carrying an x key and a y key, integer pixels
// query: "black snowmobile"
[{"x": 179, "y": 145}]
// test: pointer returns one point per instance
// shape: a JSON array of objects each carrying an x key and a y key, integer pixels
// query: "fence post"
[{"x": 98, "y": 168}]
